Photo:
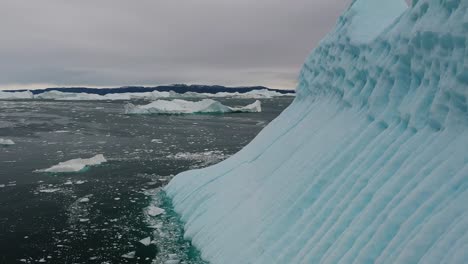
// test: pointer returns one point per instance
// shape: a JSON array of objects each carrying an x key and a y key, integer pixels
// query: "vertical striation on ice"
[{"x": 368, "y": 165}]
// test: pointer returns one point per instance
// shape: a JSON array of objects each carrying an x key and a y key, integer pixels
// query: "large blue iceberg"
[{"x": 370, "y": 162}]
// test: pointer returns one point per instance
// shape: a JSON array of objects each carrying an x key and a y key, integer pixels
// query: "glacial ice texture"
[{"x": 368, "y": 165}]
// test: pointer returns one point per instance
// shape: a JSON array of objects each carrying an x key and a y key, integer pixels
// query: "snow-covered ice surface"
[
  {"x": 368, "y": 165},
  {"x": 6, "y": 142},
  {"x": 178, "y": 106},
  {"x": 76, "y": 165}
]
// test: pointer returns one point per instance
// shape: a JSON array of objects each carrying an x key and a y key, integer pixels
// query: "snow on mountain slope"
[{"x": 368, "y": 165}]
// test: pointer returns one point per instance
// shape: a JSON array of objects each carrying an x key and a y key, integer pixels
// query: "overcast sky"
[{"x": 148, "y": 42}]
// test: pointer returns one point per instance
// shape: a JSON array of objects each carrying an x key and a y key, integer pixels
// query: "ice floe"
[
  {"x": 6, "y": 142},
  {"x": 76, "y": 165},
  {"x": 155, "y": 211}
]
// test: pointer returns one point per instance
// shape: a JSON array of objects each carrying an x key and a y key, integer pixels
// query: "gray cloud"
[{"x": 123, "y": 42}]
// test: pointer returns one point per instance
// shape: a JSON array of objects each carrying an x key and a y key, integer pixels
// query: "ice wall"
[{"x": 368, "y": 165}]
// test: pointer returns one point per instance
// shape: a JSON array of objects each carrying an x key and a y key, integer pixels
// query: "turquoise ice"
[{"x": 370, "y": 162}]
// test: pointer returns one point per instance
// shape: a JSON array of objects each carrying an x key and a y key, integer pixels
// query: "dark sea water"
[{"x": 41, "y": 217}]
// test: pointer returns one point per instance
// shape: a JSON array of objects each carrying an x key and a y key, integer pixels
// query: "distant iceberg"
[
  {"x": 15, "y": 95},
  {"x": 6, "y": 142},
  {"x": 154, "y": 95},
  {"x": 57, "y": 95},
  {"x": 76, "y": 165},
  {"x": 369, "y": 164},
  {"x": 177, "y": 106}
]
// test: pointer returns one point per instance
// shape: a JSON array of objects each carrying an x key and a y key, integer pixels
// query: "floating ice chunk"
[
  {"x": 146, "y": 241},
  {"x": 84, "y": 200},
  {"x": 178, "y": 106},
  {"x": 84, "y": 220},
  {"x": 155, "y": 211},
  {"x": 50, "y": 190},
  {"x": 2, "y": 185},
  {"x": 76, "y": 165},
  {"x": 129, "y": 255},
  {"x": 173, "y": 256},
  {"x": 6, "y": 142},
  {"x": 172, "y": 261}
]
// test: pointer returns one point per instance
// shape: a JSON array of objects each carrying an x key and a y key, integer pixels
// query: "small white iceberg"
[
  {"x": 155, "y": 211},
  {"x": 177, "y": 107},
  {"x": 76, "y": 165},
  {"x": 6, "y": 142},
  {"x": 146, "y": 241},
  {"x": 129, "y": 255},
  {"x": 84, "y": 200},
  {"x": 15, "y": 95},
  {"x": 49, "y": 190}
]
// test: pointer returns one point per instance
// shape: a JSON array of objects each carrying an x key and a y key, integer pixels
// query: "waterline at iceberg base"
[{"x": 370, "y": 162}]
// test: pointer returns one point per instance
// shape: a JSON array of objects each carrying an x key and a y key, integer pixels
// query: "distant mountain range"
[{"x": 178, "y": 88}]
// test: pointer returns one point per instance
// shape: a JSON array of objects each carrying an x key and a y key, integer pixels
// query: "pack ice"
[
  {"x": 370, "y": 162},
  {"x": 178, "y": 106}
]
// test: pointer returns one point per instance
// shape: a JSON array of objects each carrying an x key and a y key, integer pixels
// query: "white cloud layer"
[{"x": 148, "y": 42}]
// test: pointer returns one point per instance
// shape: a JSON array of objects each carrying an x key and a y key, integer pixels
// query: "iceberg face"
[
  {"x": 370, "y": 17},
  {"x": 368, "y": 165},
  {"x": 177, "y": 106},
  {"x": 75, "y": 165}
]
